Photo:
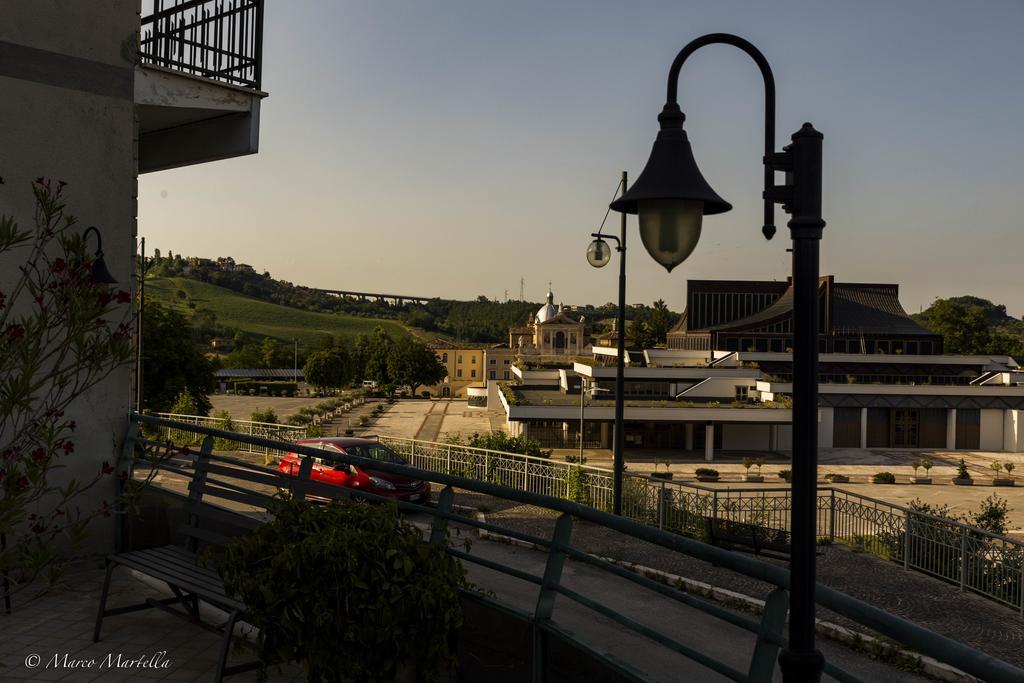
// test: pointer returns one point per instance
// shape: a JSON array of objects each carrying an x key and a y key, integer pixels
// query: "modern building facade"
[{"x": 902, "y": 394}]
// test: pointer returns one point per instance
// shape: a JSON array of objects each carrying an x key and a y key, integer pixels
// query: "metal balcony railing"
[
  {"x": 236, "y": 480},
  {"x": 217, "y": 39}
]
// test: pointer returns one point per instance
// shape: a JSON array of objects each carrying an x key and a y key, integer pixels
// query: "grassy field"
[{"x": 261, "y": 318}]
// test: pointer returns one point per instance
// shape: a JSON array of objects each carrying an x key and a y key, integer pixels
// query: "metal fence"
[
  {"x": 965, "y": 555},
  {"x": 232, "y": 480},
  {"x": 218, "y": 39}
]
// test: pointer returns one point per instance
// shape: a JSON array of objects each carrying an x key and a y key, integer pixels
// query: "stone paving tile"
[{"x": 62, "y": 622}]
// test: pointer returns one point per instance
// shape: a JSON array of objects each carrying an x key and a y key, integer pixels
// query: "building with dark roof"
[
  {"x": 757, "y": 316},
  {"x": 725, "y": 382}
]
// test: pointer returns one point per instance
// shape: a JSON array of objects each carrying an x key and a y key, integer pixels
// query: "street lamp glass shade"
[
  {"x": 670, "y": 228},
  {"x": 599, "y": 253}
]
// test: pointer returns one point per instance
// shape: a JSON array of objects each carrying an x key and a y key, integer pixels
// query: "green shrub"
[
  {"x": 786, "y": 475},
  {"x": 706, "y": 472},
  {"x": 267, "y": 415},
  {"x": 884, "y": 478},
  {"x": 363, "y": 420},
  {"x": 961, "y": 470},
  {"x": 577, "y": 486},
  {"x": 382, "y": 596},
  {"x": 991, "y": 516},
  {"x": 500, "y": 441}
]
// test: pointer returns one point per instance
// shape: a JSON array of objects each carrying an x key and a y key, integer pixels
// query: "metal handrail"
[{"x": 924, "y": 641}]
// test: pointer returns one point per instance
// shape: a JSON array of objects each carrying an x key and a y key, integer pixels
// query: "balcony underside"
[{"x": 185, "y": 120}]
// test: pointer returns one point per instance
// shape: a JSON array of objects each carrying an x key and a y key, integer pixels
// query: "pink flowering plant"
[{"x": 61, "y": 333}]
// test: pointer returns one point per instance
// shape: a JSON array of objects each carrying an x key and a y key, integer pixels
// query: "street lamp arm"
[{"x": 672, "y": 106}]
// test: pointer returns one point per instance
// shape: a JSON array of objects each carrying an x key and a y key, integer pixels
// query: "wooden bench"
[
  {"x": 741, "y": 535},
  {"x": 182, "y": 568}
]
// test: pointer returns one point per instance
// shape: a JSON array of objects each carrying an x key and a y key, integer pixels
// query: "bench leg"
[
  {"x": 103, "y": 601},
  {"x": 225, "y": 647}
]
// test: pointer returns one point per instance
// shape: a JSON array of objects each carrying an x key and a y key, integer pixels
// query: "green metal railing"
[
  {"x": 237, "y": 479},
  {"x": 967, "y": 556}
]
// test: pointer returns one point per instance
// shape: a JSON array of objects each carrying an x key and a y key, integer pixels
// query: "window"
[
  {"x": 493, "y": 361},
  {"x": 506, "y": 374},
  {"x": 506, "y": 361},
  {"x": 472, "y": 359},
  {"x": 444, "y": 357},
  {"x": 472, "y": 373},
  {"x": 492, "y": 375},
  {"x": 458, "y": 373},
  {"x": 459, "y": 358},
  {"x": 742, "y": 392}
]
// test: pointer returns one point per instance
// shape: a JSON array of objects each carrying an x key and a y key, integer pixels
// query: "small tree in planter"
[
  {"x": 918, "y": 464},
  {"x": 1009, "y": 467},
  {"x": 884, "y": 478},
  {"x": 786, "y": 475},
  {"x": 997, "y": 468},
  {"x": 747, "y": 464},
  {"x": 963, "y": 477},
  {"x": 383, "y": 600},
  {"x": 662, "y": 475},
  {"x": 837, "y": 478},
  {"x": 706, "y": 474}
]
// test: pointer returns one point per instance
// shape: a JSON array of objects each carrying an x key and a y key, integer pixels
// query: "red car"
[{"x": 333, "y": 468}]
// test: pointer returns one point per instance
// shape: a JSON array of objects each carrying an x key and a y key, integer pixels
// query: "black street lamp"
[
  {"x": 598, "y": 254},
  {"x": 100, "y": 273},
  {"x": 671, "y": 197}
]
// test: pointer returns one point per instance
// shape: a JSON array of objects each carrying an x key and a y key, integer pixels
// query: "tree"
[
  {"x": 372, "y": 351},
  {"x": 171, "y": 362},
  {"x": 328, "y": 369},
  {"x": 659, "y": 322},
  {"x": 273, "y": 354},
  {"x": 411, "y": 363},
  {"x": 964, "y": 329}
]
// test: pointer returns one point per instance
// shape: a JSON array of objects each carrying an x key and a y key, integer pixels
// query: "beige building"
[
  {"x": 550, "y": 332},
  {"x": 465, "y": 364}
]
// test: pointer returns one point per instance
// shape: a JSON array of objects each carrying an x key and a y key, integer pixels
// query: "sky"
[{"x": 454, "y": 147}]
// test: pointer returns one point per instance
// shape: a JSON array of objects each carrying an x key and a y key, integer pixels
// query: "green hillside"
[{"x": 261, "y": 318}]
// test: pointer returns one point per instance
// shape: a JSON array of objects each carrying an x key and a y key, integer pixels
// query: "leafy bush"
[
  {"x": 363, "y": 420},
  {"x": 706, "y": 472},
  {"x": 884, "y": 478},
  {"x": 786, "y": 475},
  {"x": 991, "y": 516},
  {"x": 577, "y": 486},
  {"x": 382, "y": 597},
  {"x": 500, "y": 441},
  {"x": 268, "y": 416}
]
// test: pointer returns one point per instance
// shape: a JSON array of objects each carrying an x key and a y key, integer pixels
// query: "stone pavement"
[{"x": 50, "y": 639}]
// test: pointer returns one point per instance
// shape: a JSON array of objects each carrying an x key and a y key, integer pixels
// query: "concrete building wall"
[
  {"x": 723, "y": 388},
  {"x": 825, "y": 427},
  {"x": 744, "y": 437},
  {"x": 992, "y": 430},
  {"x": 1013, "y": 431},
  {"x": 68, "y": 114}
]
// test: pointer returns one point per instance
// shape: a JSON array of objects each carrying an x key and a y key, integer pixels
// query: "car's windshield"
[{"x": 376, "y": 452}]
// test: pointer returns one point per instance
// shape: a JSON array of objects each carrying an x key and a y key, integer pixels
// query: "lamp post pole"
[
  {"x": 619, "y": 436},
  {"x": 670, "y": 197}
]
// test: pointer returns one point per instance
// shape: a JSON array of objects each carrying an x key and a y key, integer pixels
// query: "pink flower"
[
  {"x": 106, "y": 468},
  {"x": 22, "y": 483},
  {"x": 59, "y": 265},
  {"x": 72, "y": 425},
  {"x": 39, "y": 454},
  {"x": 15, "y": 331},
  {"x": 123, "y": 297},
  {"x": 69, "y": 448}
]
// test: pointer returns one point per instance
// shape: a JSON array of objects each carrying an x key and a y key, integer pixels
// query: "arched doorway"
[{"x": 560, "y": 341}]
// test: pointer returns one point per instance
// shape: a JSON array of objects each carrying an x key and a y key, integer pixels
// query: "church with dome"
[{"x": 550, "y": 332}]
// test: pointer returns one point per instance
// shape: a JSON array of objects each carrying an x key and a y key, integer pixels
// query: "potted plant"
[
  {"x": 963, "y": 477},
  {"x": 883, "y": 478},
  {"x": 747, "y": 464},
  {"x": 918, "y": 464},
  {"x": 706, "y": 474},
  {"x": 836, "y": 478},
  {"x": 348, "y": 547},
  {"x": 1009, "y": 467},
  {"x": 997, "y": 468},
  {"x": 661, "y": 475},
  {"x": 786, "y": 475}
]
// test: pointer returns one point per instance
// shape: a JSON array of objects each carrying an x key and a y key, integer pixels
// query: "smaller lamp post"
[
  {"x": 583, "y": 400},
  {"x": 598, "y": 254}
]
